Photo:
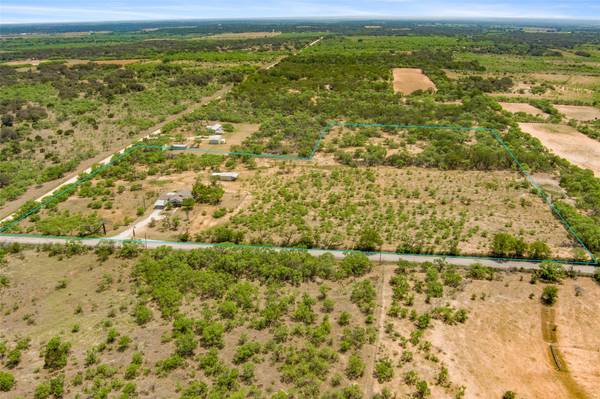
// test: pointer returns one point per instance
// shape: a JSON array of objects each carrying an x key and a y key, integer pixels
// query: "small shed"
[
  {"x": 216, "y": 139},
  {"x": 216, "y": 128},
  {"x": 179, "y": 146},
  {"x": 226, "y": 176}
]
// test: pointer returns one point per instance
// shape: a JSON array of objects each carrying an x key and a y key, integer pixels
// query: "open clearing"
[
  {"x": 579, "y": 113},
  {"x": 409, "y": 80},
  {"x": 567, "y": 143},
  {"x": 522, "y": 107},
  {"x": 243, "y": 35},
  {"x": 501, "y": 346},
  {"x": 196, "y": 135}
]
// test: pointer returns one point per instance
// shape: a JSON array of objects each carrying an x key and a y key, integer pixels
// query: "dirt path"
[
  {"x": 42, "y": 190},
  {"x": 555, "y": 357},
  {"x": 383, "y": 299},
  {"x": 129, "y": 233},
  {"x": 49, "y": 187}
]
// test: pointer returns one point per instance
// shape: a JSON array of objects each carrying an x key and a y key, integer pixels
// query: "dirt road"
[{"x": 50, "y": 187}]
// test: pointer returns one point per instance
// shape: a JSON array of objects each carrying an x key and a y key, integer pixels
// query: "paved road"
[{"x": 384, "y": 257}]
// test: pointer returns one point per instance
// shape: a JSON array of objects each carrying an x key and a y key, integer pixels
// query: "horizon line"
[{"x": 318, "y": 18}]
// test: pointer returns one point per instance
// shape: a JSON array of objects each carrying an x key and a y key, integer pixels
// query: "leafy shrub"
[
  {"x": 207, "y": 194},
  {"x": 142, "y": 314},
  {"x": 196, "y": 390},
  {"x": 363, "y": 295},
  {"x": 355, "y": 368},
  {"x": 369, "y": 239},
  {"x": 549, "y": 295},
  {"x": 212, "y": 335},
  {"x": 550, "y": 272},
  {"x": 55, "y": 354},
  {"x": 7, "y": 381},
  {"x": 245, "y": 352},
  {"x": 384, "y": 370},
  {"x": 479, "y": 272},
  {"x": 185, "y": 344},
  {"x": 355, "y": 264},
  {"x": 169, "y": 364}
]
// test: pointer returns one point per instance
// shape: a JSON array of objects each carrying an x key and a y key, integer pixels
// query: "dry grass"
[
  {"x": 567, "y": 143},
  {"x": 522, "y": 107},
  {"x": 409, "y": 80},
  {"x": 579, "y": 113}
]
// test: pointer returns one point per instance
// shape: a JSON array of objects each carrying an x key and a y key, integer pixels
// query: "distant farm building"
[
  {"x": 226, "y": 176},
  {"x": 174, "y": 198},
  {"x": 179, "y": 146},
  {"x": 216, "y": 139},
  {"x": 217, "y": 128}
]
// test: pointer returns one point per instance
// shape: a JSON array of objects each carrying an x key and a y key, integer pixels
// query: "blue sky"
[{"x": 26, "y": 11}]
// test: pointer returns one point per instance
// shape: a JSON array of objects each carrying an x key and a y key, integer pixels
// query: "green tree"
[
  {"x": 55, "y": 355},
  {"x": 539, "y": 250},
  {"x": 504, "y": 244},
  {"x": 207, "y": 193},
  {"x": 369, "y": 240},
  {"x": 355, "y": 264}
]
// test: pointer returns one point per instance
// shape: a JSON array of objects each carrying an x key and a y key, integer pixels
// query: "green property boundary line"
[{"x": 331, "y": 124}]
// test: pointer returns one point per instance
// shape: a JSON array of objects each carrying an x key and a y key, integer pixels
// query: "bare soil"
[
  {"x": 522, "y": 107},
  {"x": 243, "y": 35},
  {"x": 196, "y": 136},
  {"x": 567, "y": 143},
  {"x": 409, "y": 80},
  {"x": 502, "y": 345},
  {"x": 578, "y": 112}
]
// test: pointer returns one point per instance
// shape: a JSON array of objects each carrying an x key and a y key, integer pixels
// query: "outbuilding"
[
  {"x": 216, "y": 139},
  {"x": 226, "y": 176},
  {"x": 216, "y": 128}
]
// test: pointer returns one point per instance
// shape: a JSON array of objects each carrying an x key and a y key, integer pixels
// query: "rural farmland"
[{"x": 278, "y": 209}]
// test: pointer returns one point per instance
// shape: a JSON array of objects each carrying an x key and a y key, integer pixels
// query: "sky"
[{"x": 33, "y": 11}]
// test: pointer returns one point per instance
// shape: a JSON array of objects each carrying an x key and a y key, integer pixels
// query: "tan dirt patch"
[
  {"x": 522, "y": 107},
  {"x": 240, "y": 133},
  {"x": 567, "y": 143},
  {"x": 579, "y": 112},
  {"x": 243, "y": 35},
  {"x": 501, "y": 347},
  {"x": 409, "y": 80}
]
